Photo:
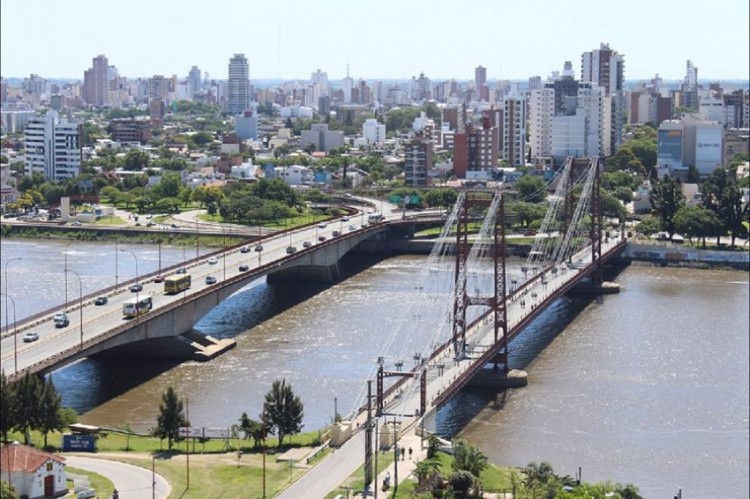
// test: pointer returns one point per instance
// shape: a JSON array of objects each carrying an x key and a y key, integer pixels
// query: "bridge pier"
[{"x": 192, "y": 345}]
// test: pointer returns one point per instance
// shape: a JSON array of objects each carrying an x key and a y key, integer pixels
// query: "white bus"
[
  {"x": 374, "y": 218},
  {"x": 137, "y": 306}
]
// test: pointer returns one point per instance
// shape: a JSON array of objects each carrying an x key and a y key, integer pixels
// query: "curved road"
[{"x": 132, "y": 482}]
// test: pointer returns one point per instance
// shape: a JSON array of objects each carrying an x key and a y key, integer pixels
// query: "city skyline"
[{"x": 407, "y": 39}]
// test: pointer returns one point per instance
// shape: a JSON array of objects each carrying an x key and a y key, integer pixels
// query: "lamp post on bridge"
[
  {"x": 137, "y": 282},
  {"x": 80, "y": 299},
  {"x": 65, "y": 269},
  {"x": 15, "y": 336},
  {"x": 7, "y": 324}
]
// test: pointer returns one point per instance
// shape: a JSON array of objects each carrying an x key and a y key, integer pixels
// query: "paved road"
[{"x": 132, "y": 482}]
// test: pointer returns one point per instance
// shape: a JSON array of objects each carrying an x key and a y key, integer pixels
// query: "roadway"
[
  {"x": 443, "y": 370},
  {"x": 91, "y": 321},
  {"x": 131, "y": 482}
]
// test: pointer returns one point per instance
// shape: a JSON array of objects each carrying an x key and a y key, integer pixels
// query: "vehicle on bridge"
[
  {"x": 244, "y": 268},
  {"x": 374, "y": 218},
  {"x": 61, "y": 320},
  {"x": 135, "y": 288},
  {"x": 29, "y": 337},
  {"x": 306, "y": 244},
  {"x": 291, "y": 249},
  {"x": 101, "y": 300},
  {"x": 245, "y": 249},
  {"x": 176, "y": 283},
  {"x": 137, "y": 306},
  {"x": 210, "y": 279}
]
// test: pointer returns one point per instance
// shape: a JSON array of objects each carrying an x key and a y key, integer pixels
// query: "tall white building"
[
  {"x": 53, "y": 148},
  {"x": 606, "y": 68},
  {"x": 238, "y": 85},
  {"x": 373, "y": 132},
  {"x": 568, "y": 119},
  {"x": 195, "y": 83}
]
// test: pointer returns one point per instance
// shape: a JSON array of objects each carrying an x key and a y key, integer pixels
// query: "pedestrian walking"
[
  {"x": 410, "y": 451},
  {"x": 403, "y": 453}
]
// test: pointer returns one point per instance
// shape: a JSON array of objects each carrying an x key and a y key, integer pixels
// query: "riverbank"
[{"x": 673, "y": 255}]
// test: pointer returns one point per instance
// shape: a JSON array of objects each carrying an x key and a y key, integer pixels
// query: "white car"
[
  {"x": 29, "y": 337},
  {"x": 213, "y": 261}
]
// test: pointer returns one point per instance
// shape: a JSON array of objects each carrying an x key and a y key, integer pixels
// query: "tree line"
[{"x": 31, "y": 403}]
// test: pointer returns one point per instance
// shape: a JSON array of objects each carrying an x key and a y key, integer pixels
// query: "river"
[{"x": 649, "y": 386}]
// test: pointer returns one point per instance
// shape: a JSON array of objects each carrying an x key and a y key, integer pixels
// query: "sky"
[{"x": 389, "y": 39}]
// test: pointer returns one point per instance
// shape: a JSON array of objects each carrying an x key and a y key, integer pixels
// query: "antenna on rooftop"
[
  {"x": 347, "y": 70},
  {"x": 279, "y": 53}
]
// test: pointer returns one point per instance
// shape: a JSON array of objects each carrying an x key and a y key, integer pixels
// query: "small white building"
[
  {"x": 295, "y": 174},
  {"x": 245, "y": 171},
  {"x": 373, "y": 131},
  {"x": 33, "y": 473}
]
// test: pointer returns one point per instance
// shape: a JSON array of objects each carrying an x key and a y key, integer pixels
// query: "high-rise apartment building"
[
  {"x": 606, "y": 68},
  {"x": 238, "y": 88},
  {"x": 481, "y": 90},
  {"x": 568, "y": 118},
  {"x": 96, "y": 82},
  {"x": 417, "y": 161},
  {"x": 514, "y": 130},
  {"x": 689, "y": 87},
  {"x": 195, "y": 83},
  {"x": 475, "y": 150},
  {"x": 53, "y": 149},
  {"x": 373, "y": 132}
]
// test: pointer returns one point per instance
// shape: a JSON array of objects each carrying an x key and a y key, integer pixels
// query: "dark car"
[
  {"x": 336, "y": 233},
  {"x": 181, "y": 270},
  {"x": 321, "y": 238},
  {"x": 245, "y": 249},
  {"x": 136, "y": 288},
  {"x": 306, "y": 244},
  {"x": 210, "y": 279},
  {"x": 258, "y": 247},
  {"x": 101, "y": 300},
  {"x": 244, "y": 268}
]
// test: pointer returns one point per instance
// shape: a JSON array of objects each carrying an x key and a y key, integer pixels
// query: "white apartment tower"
[
  {"x": 606, "y": 68},
  {"x": 53, "y": 149},
  {"x": 238, "y": 85},
  {"x": 373, "y": 132}
]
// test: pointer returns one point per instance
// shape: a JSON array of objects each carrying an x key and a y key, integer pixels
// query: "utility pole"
[
  {"x": 368, "y": 439},
  {"x": 187, "y": 443}
]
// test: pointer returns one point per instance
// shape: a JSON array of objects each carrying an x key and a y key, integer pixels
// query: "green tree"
[
  {"x": 433, "y": 444},
  {"x": 169, "y": 186},
  {"x": 28, "y": 392},
  {"x": 170, "y": 417},
  {"x": 136, "y": 160},
  {"x": 253, "y": 429},
  {"x": 666, "y": 200},
  {"x": 532, "y": 188},
  {"x": 7, "y": 397},
  {"x": 282, "y": 411},
  {"x": 50, "y": 410},
  {"x": 468, "y": 457},
  {"x": 7, "y": 491},
  {"x": 648, "y": 225}
]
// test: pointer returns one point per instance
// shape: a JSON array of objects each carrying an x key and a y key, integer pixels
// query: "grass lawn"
[
  {"x": 357, "y": 479},
  {"x": 100, "y": 484},
  {"x": 110, "y": 220},
  {"x": 277, "y": 224}
]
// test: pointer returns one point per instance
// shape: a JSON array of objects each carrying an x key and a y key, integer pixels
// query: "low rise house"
[{"x": 32, "y": 472}]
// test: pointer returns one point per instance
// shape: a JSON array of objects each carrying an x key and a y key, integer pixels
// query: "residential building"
[
  {"x": 238, "y": 88},
  {"x": 417, "y": 161},
  {"x": 669, "y": 147},
  {"x": 15, "y": 121},
  {"x": 606, "y": 68},
  {"x": 475, "y": 151},
  {"x": 569, "y": 118},
  {"x": 53, "y": 148},
  {"x": 33, "y": 472},
  {"x": 689, "y": 87},
  {"x": 195, "y": 84},
  {"x": 373, "y": 132},
  {"x": 513, "y": 140},
  {"x": 246, "y": 125},
  {"x": 481, "y": 90},
  {"x": 736, "y": 109},
  {"x": 736, "y": 141},
  {"x": 295, "y": 174},
  {"x": 131, "y": 130},
  {"x": 323, "y": 138},
  {"x": 96, "y": 82}
]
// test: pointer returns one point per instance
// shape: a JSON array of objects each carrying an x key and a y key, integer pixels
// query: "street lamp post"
[
  {"x": 137, "y": 281},
  {"x": 65, "y": 269},
  {"x": 7, "y": 325},
  {"x": 15, "y": 337},
  {"x": 80, "y": 299}
]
